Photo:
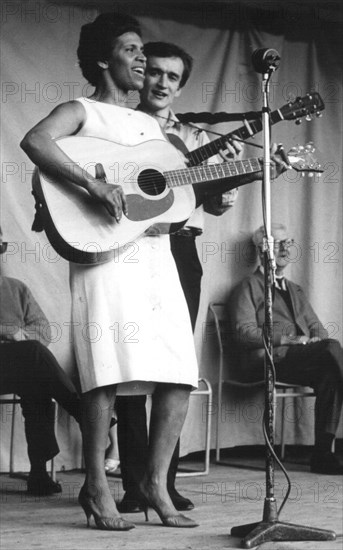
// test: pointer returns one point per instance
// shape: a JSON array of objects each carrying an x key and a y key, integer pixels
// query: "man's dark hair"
[
  {"x": 96, "y": 41},
  {"x": 166, "y": 49}
]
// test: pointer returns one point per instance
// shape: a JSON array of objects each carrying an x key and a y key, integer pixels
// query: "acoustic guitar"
[{"x": 159, "y": 188}]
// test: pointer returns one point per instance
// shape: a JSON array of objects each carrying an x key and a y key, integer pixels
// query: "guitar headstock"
[
  {"x": 303, "y": 160},
  {"x": 310, "y": 104}
]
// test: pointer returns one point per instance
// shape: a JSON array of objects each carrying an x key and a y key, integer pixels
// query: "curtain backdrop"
[{"x": 39, "y": 71}]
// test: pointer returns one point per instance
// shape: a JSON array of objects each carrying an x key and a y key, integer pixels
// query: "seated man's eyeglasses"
[{"x": 284, "y": 244}]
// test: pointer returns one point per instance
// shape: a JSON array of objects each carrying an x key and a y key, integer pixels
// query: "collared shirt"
[{"x": 193, "y": 138}]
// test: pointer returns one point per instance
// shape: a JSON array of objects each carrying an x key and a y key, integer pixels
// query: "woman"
[{"x": 145, "y": 292}]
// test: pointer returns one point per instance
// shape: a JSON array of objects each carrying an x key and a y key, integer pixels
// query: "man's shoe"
[
  {"x": 130, "y": 504},
  {"x": 42, "y": 485},
  {"x": 181, "y": 503},
  {"x": 326, "y": 463}
]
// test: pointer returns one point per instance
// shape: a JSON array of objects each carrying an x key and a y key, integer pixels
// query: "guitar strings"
[
  {"x": 208, "y": 131},
  {"x": 228, "y": 169},
  {"x": 184, "y": 175}
]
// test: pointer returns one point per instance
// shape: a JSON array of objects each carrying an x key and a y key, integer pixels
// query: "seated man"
[
  {"x": 303, "y": 353},
  {"x": 28, "y": 369}
]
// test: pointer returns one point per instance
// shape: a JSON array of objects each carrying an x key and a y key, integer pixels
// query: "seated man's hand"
[
  {"x": 314, "y": 339},
  {"x": 19, "y": 336},
  {"x": 294, "y": 340}
]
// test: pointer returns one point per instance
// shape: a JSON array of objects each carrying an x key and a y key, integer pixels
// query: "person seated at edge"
[
  {"x": 111, "y": 58},
  {"x": 29, "y": 369},
  {"x": 168, "y": 68},
  {"x": 303, "y": 354}
]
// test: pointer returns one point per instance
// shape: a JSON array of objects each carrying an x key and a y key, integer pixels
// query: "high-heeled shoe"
[
  {"x": 177, "y": 520},
  {"x": 115, "y": 523}
]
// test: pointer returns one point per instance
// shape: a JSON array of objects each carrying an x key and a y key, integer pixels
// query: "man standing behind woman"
[
  {"x": 167, "y": 71},
  {"x": 111, "y": 58}
]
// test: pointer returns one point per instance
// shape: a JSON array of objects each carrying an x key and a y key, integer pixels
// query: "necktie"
[{"x": 280, "y": 283}]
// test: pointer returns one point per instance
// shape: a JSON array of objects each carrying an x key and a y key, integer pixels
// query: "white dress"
[{"x": 130, "y": 317}]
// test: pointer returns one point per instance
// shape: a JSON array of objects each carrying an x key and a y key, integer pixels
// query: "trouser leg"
[
  {"x": 132, "y": 439},
  {"x": 190, "y": 273},
  {"x": 318, "y": 365},
  {"x": 32, "y": 372},
  {"x": 39, "y": 429},
  {"x": 174, "y": 463}
]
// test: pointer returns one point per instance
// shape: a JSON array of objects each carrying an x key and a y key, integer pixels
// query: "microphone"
[{"x": 265, "y": 60}]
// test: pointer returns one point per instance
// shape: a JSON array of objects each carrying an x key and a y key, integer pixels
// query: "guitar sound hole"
[{"x": 151, "y": 182}]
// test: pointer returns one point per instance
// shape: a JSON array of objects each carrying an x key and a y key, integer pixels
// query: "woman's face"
[{"x": 126, "y": 63}]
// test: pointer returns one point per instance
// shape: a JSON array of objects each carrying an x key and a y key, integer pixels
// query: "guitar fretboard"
[
  {"x": 302, "y": 106},
  {"x": 214, "y": 172},
  {"x": 210, "y": 149}
]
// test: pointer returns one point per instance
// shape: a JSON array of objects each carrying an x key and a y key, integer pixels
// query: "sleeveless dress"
[{"x": 129, "y": 315}]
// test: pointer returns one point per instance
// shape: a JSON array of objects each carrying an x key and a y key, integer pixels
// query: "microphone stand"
[{"x": 270, "y": 528}]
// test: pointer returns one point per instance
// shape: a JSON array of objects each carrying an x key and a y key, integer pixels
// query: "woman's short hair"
[{"x": 96, "y": 41}]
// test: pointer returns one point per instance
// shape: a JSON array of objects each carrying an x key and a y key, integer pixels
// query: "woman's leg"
[
  {"x": 97, "y": 409},
  {"x": 95, "y": 496},
  {"x": 168, "y": 413}
]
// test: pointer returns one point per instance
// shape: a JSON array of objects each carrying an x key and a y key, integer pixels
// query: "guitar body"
[{"x": 80, "y": 229}]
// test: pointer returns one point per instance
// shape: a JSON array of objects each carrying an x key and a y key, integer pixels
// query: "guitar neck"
[
  {"x": 212, "y": 173},
  {"x": 210, "y": 149}
]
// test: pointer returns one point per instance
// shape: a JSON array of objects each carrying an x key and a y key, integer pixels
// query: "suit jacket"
[{"x": 246, "y": 318}]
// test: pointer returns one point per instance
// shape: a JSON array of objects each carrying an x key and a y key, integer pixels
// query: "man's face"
[
  {"x": 282, "y": 253},
  {"x": 162, "y": 82},
  {"x": 281, "y": 245}
]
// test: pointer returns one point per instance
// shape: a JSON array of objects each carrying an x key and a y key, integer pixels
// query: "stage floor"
[{"x": 229, "y": 496}]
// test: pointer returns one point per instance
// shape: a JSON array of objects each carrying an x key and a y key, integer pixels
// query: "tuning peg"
[
  {"x": 309, "y": 147},
  {"x": 292, "y": 99},
  {"x": 319, "y": 114},
  {"x": 308, "y": 117},
  {"x": 298, "y": 121}
]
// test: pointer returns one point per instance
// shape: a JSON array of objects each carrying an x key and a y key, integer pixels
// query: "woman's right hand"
[{"x": 110, "y": 195}]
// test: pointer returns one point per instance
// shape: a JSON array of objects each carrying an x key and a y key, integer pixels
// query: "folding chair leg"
[
  {"x": 52, "y": 461},
  {"x": 283, "y": 421},
  {"x": 12, "y": 437}
]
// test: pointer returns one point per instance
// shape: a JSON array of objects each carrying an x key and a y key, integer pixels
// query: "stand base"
[{"x": 264, "y": 531}]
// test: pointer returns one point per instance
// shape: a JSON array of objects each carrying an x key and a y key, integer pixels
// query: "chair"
[
  {"x": 282, "y": 390},
  {"x": 204, "y": 389},
  {"x": 14, "y": 401}
]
